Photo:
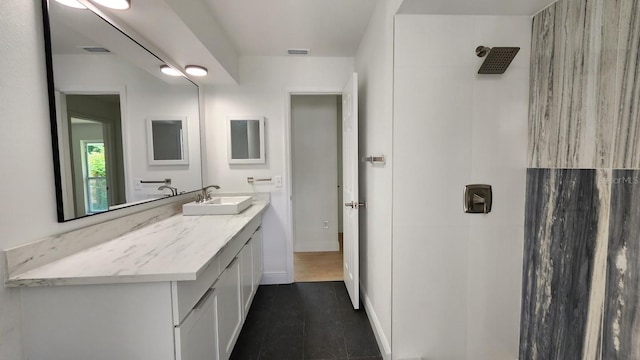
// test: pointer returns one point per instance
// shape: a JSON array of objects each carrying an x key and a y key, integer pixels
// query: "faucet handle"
[{"x": 205, "y": 191}]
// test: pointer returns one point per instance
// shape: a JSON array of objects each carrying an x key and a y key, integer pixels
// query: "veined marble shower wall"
[{"x": 581, "y": 282}]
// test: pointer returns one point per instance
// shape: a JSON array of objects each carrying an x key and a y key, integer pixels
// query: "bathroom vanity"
[{"x": 178, "y": 289}]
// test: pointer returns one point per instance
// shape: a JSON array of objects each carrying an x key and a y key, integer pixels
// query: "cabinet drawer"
[
  {"x": 186, "y": 294},
  {"x": 197, "y": 338},
  {"x": 233, "y": 247}
]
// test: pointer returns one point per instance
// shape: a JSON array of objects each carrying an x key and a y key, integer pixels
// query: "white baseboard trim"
[
  {"x": 383, "y": 343},
  {"x": 275, "y": 277},
  {"x": 317, "y": 246}
]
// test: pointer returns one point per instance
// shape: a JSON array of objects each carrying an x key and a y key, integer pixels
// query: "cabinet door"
[
  {"x": 196, "y": 338},
  {"x": 256, "y": 246},
  {"x": 246, "y": 276},
  {"x": 229, "y": 309}
]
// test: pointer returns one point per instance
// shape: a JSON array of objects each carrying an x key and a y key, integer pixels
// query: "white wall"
[
  {"x": 314, "y": 152},
  {"x": 145, "y": 96},
  {"x": 264, "y": 82},
  {"x": 28, "y": 210},
  {"x": 374, "y": 64},
  {"x": 457, "y": 277}
]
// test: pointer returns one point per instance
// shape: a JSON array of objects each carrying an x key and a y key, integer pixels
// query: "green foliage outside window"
[
  {"x": 97, "y": 181},
  {"x": 95, "y": 154}
]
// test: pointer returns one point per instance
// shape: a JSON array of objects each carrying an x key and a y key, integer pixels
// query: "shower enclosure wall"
[
  {"x": 457, "y": 277},
  {"x": 581, "y": 284}
]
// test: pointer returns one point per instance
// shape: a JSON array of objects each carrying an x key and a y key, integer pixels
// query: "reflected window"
[{"x": 95, "y": 177}]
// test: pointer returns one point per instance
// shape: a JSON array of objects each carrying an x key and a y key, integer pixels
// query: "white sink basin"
[{"x": 218, "y": 205}]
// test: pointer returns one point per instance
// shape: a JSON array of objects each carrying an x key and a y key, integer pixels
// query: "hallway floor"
[
  {"x": 305, "y": 321},
  {"x": 319, "y": 266}
]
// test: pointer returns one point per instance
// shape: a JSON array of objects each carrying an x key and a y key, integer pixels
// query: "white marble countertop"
[{"x": 174, "y": 249}]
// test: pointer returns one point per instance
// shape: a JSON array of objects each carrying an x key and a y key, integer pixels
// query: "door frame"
[
  {"x": 288, "y": 168},
  {"x": 121, "y": 91}
]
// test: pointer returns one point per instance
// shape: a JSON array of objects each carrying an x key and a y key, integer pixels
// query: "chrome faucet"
[
  {"x": 174, "y": 191},
  {"x": 205, "y": 193}
]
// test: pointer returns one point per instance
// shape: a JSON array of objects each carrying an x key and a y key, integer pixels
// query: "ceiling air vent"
[
  {"x": 298, "y": 51},
  {"x": 96, "y": 49}
]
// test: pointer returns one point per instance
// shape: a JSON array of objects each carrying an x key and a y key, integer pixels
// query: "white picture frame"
[
  {"x": 167, "y": 140},
  {"x": 245, "y": 140}
]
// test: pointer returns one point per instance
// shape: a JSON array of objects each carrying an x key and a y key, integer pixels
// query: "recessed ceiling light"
[
  {"x": 72, "y": 3},
  {"x": 114, "y": 4},
  {"x": 196, "y": 70},
  {"x": 168, "y": 70}
]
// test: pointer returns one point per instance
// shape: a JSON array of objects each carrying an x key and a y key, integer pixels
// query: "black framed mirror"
[{"x": 103, "y": 86}]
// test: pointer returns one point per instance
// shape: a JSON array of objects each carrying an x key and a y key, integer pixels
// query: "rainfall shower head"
[{"x": 498, "y": 59}]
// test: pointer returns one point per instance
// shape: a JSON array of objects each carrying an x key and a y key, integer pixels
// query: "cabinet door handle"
[{"x": 203, "y": 300}]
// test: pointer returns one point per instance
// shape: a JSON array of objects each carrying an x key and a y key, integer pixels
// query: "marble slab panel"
[
  {"x": 174, "y": 249},
  {"x": 44, "y": 251},
  {"x": 563, "y": 127},
  {"x": 627, "y": 129},
  {"x": 566, "y": 232},
  {"x": 32, "y": 255},
  {"x": 621, "y": 328}
]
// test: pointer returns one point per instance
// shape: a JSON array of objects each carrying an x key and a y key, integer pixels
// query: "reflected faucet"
[
  {"x": 174, "y": 191},
  {"x": 205, "y": 193}
]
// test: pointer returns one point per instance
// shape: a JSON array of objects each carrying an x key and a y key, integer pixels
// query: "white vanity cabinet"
[
  {"x": 230, "y": 317},
  {"x": 163, "y": 320},
  {"x": 197, "y": 337},
  {"x": 256, "y": 255},
  {"x": 246, "y": 275}
]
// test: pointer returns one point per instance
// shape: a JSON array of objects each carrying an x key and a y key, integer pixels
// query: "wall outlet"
[
  {"x": 325, "y": 224},
  {"x": 277, "y": 180}
]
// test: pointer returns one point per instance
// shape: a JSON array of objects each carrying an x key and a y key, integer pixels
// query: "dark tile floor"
[{"x": 304, "y": 321}]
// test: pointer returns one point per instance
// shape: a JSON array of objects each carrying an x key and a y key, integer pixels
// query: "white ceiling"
[
  {"x": 213, "y": 33},
  {"x": 269, "y": 28},
  {"x": 474, "y": 7}
]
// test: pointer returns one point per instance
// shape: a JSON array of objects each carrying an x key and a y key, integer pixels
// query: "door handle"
[{"x": 355, "y": 205}]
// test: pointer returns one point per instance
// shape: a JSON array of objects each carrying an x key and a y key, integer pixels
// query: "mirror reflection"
[
  {"x": 246, "y": 140},
  {"x": 106, "y": 88},
  {"x": 167, "y": 143}
]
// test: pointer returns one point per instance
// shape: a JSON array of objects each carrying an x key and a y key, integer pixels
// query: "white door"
[{"x": 350, "y": 257}]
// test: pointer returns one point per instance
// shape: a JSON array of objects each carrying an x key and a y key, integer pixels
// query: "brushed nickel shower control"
[{"x": 477, "y": 199}]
